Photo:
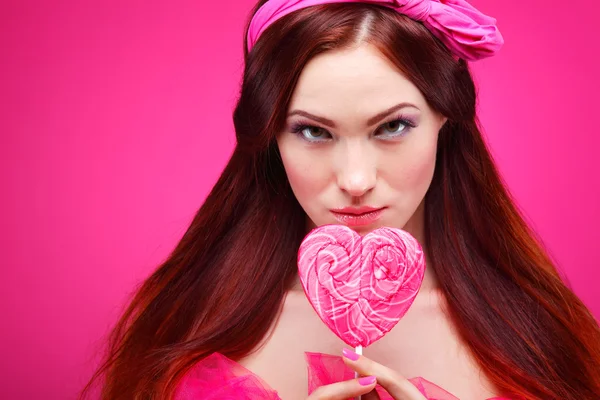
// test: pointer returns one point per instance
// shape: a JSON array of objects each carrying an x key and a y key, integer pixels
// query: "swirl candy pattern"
[{"x": 360, "y": 286}]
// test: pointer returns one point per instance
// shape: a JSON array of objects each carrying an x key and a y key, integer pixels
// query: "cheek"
[
  {"x": 412, "y": 175},
  {"x": 305, "y": 170}
]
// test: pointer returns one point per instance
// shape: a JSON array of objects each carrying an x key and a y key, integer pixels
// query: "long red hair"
[{"x": 222, "y": 286}]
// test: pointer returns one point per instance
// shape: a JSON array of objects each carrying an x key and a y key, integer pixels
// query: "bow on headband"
[{"x": 466, "y": 31}]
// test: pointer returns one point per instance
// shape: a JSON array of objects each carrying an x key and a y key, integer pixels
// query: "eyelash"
[{"x": 298, "y": 127}]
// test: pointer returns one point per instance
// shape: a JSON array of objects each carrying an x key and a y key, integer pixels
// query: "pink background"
[{"x": 116, "y": 120}]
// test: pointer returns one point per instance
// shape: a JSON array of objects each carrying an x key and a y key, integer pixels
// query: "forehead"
[{"x": 357, "y": 80}]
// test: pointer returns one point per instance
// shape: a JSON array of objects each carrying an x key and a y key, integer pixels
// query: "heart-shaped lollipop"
[{"x": 360, "y": 286}]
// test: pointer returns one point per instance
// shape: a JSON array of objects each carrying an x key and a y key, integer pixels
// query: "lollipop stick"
[{"x": 358, "y": 350}]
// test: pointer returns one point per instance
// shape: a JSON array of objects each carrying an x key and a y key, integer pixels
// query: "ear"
[{"x": 443, "y": 121}]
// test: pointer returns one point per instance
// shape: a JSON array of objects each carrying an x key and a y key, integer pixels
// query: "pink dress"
[{"x": 219, "y": 378}]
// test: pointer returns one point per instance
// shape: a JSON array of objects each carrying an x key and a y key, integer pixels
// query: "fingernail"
[
  {"x": 367, "y": 380},
  {"x": 350, "y": 354}
]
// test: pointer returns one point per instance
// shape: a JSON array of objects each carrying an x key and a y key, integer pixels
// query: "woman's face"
[{"x": 360, "y": 142}]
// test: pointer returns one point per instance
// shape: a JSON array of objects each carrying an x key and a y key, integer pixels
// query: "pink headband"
[{"x": 467, "y": 32}]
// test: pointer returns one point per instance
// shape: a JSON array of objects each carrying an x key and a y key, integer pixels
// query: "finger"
[
  {"x": 345, "y": 389},
  {"x": 372, "y": 395},
  {"x": 396, "y": 385}
]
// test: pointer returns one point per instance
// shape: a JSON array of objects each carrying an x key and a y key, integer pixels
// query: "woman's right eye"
[{"x": 311, "y": 133}]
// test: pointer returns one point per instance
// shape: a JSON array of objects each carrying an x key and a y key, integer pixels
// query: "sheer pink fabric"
[{"x": 219, "y": 378}]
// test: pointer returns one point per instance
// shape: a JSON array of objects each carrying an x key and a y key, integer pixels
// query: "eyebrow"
[{"x": 370, "y": 122}]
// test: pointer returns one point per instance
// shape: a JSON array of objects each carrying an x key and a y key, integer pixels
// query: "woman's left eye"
[{"x": 397, "y": 127}]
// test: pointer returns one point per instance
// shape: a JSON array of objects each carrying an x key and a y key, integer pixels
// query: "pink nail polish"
[
  {"x": 350, "y": 354},
  {"x": 367, "y": 380}
]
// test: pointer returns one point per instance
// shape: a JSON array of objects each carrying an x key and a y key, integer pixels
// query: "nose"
[{"x": 356, "y": 169}]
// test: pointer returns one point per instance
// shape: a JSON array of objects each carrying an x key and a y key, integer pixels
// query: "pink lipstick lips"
[{"x": 357, "y": 216}]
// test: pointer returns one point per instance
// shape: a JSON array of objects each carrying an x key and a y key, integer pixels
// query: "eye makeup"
[
  {"x": 303, "y": 127},
  {"x": 299, "y": 128},
  {"x": 409, "y": 123}
]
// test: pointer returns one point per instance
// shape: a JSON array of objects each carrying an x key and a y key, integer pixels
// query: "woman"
[{"x": 360, "y": 113}]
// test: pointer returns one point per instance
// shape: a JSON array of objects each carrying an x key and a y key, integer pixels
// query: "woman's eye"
[
  {"x": 394, "y": 127},
  {"x": 313, "y": 132}
]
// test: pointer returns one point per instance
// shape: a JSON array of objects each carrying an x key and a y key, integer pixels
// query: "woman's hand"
[{"x": 395, "y": 384}]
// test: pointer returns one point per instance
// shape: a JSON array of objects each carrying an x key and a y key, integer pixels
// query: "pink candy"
[{"x": 360, "y": 286}]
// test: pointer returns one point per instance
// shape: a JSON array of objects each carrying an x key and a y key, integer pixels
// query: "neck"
[{"x": 416, "y": 227}]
